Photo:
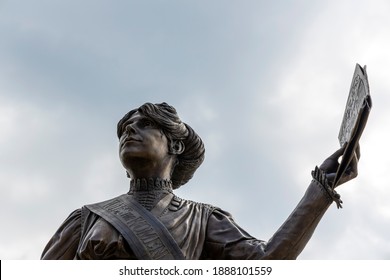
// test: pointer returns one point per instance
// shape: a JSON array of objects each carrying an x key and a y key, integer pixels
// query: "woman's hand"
[{"x": 331, "y": 164}]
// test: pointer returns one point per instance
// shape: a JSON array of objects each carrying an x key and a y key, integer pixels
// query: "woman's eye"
[{"x": 147, "y": 123}]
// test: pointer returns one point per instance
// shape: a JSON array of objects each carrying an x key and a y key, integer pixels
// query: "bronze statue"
[{"x": 161, "y": 153}]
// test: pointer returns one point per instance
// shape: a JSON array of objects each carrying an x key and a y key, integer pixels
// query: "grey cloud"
[{"x": 256, "y": 80}]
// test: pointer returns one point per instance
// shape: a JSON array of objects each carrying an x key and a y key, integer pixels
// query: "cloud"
[{"x": 264, "y": 84}]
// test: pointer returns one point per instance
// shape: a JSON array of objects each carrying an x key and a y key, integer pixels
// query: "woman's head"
[{"x": 166, "y": 118}]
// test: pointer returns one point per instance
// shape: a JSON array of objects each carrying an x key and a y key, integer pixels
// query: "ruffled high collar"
[
  {"x": 150, "y": 184},
  {"x": 148, "y": 192}
]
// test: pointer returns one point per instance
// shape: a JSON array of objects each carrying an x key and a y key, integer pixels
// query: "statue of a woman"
[{"x": 161, "y": 153}]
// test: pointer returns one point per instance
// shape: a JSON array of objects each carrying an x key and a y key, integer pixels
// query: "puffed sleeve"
[
  {"x": 226, "y": 240},
  {"x": 64, "y": 243}
]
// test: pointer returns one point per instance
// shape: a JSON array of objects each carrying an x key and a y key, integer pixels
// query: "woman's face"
[{"x": 143, "y": 140}]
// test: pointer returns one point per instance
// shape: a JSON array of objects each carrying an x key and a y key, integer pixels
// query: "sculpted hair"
[{"x": 167, "y": 119}]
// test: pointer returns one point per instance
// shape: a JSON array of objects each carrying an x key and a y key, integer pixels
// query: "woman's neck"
[
  {"x": 150, "y": 184},
  {"x": 148, "y": 192}
]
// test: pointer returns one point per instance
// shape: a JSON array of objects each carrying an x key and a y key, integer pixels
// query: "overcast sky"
[{"x": 264, "y": 83}]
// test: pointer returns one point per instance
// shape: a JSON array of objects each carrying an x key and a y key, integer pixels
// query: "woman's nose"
[{"x": 130, "y": 128}]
